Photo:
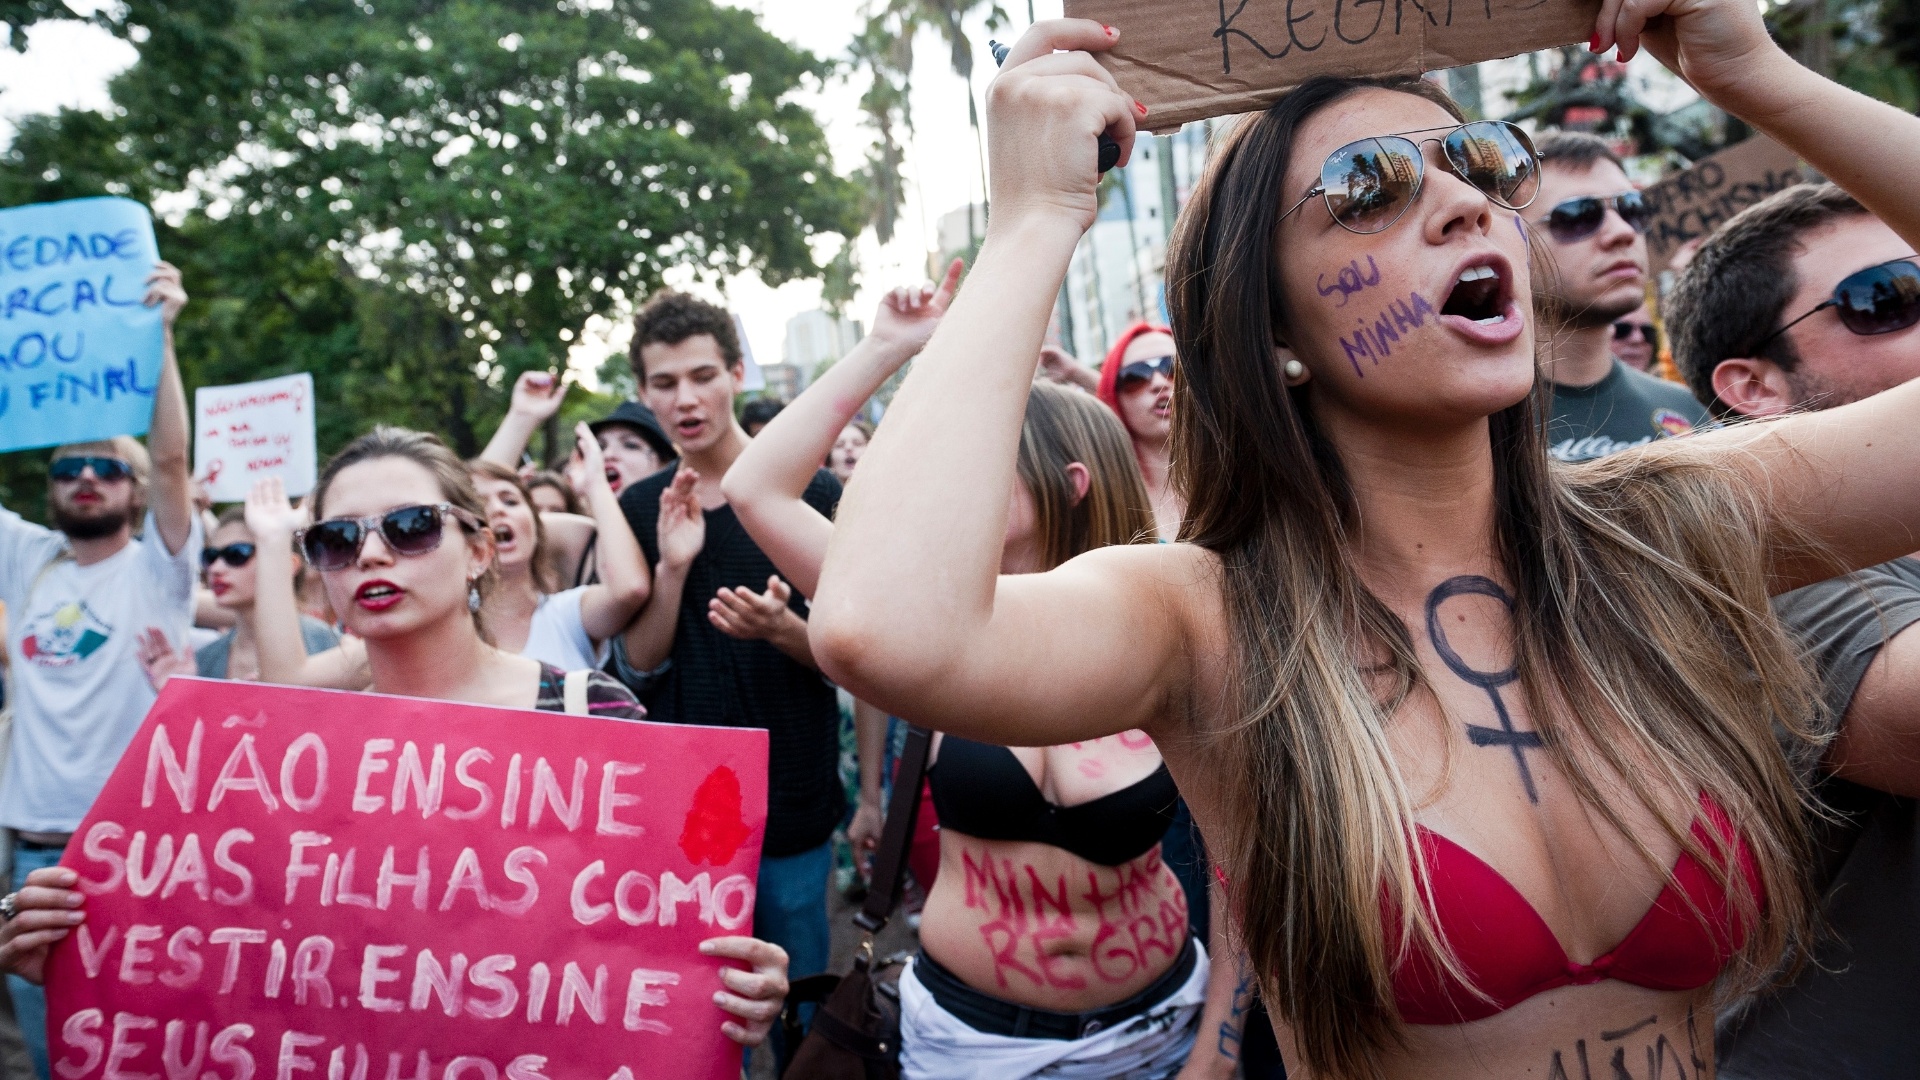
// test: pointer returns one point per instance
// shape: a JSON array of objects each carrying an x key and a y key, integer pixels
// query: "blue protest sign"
[{"x": 79, "y": 351}]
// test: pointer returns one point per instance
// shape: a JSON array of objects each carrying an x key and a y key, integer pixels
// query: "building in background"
[{"x": 814, "y": 338}]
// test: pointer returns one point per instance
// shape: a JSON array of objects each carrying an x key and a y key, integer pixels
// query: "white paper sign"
[{"x": 252, "y": 430}]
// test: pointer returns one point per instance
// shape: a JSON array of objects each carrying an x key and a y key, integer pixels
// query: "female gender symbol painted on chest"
[{"x": 1491, "y": 681}]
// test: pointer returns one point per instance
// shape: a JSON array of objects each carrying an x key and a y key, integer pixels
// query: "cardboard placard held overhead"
[
  {"x": 1692, "y": 203},
  {"x": 1192, "y": 59}
]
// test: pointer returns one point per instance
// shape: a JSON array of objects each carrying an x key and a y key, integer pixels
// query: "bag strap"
[
  {"x": 890, "y": 861},
  {"x": 573, "y": 692}
]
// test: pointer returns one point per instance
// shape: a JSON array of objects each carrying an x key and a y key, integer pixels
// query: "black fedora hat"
[{"x": 641, "y": 419}]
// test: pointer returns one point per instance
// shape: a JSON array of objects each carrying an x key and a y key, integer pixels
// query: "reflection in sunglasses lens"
[
  {"x": 1370, "y": 182},
  {"x": 412, "y": 530},
  {"x": 1880, "y": 299}
]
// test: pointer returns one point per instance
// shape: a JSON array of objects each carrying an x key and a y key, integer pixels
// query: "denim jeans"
[
  {"x": 790, "y": 910},
  {"x": 30, "y": 1001}
]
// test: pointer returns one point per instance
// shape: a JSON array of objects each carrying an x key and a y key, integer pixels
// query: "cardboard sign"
[
  {"x": 318, "y": 885},
  {"x": 1192, "y": 59},
  {"x": 79, "y": 348},
  {"x": 1692, "y": 203},
  {"x": 247, "y": 431}
]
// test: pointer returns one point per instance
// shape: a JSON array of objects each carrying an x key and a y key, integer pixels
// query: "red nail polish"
[
  {"x": 1139, "y": 108},
  {"x": 1593, "y": 43},
  {"x": 1111, "y": 32}
]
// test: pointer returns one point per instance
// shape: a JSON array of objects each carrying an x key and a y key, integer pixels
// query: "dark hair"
[
  {"x": 760, "y": 411},
  {"x": 553, "y": 481},
  {"x": 1574, "y": 149},
  {"x": 1735, "y": 291},
  {"x": 670, "y": 317},
  {"x": 493, "y": 470},
  {"x": 232, "y": 515},
  {"x": 1638, "y": 592},
  {"x": 428, "y": 452}
]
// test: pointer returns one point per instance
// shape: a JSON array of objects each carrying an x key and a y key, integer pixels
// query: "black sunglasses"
[
  {"x": 1877, "y": 300},
  {"x": 335, "y": 543},
  {"x": 1370, "y": 183},
  {"x": 105, "y": 469},
  {"x": 1142, "y": 370},
  {"x": 1574, "y": 220},
  {"x": 1624, "y": 331},
  {"x": 233, "y": 555}
]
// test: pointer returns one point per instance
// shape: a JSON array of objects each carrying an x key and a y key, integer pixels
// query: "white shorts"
[{"x": 937, "y": 1045}]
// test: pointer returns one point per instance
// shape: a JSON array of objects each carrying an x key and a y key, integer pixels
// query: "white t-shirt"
[
  {"x": 558, "y": 636},
  {"x": 76, "y": 686}
]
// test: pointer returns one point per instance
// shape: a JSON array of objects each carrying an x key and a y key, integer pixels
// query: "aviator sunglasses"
[
  {"x": 1877, "y": 300},
  {"x": 1624, "y": 331},
  {"x": 1142, "y": 370},
  {"x": 105, "y": 469},
  {"x": 334, "y": 544},
  {"x": 1574, "y": 220},
  {"x": 235, "y": 555},
  {"x": 1370, "y": 183}
]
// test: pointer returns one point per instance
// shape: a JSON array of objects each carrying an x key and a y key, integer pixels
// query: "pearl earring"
[{"x": 1294, "y": 369}]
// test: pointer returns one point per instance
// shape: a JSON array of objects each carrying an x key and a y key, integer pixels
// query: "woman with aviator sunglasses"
[
  {"x": 1482, "y": 745},
  {"x": 1136, "y": 382}
]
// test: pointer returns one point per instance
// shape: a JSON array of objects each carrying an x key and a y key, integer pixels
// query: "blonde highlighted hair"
[
  {"x": 1647, "y": 652},
  {"x": 1064, "y": 426}
]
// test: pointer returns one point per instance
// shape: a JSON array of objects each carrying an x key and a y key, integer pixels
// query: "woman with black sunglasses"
[
  {"x": 1136, "y": 382},
  {"x": 230, "y": 573},
  {"x": 1482, "y": 745}
]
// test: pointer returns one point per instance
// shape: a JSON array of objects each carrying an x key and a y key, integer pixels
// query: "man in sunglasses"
[
  {"x": 1806, "y": 301},
  {"x": 80, "y": 595},
  {"x": 1636, "y": 341},
  {"x": 1591, "y": 224}
]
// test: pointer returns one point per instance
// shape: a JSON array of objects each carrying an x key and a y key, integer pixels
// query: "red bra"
[{"x": 1510, "y": 953}]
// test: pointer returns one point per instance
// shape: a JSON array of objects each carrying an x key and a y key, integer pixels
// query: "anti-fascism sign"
[
  {"x": 1690, "y": 204},
  {"x": 79, "y": 348},
  {"x": 315, "y": 885},
  {"x": 248, "y": 431},
  {"x": 1191, "y": 59}
]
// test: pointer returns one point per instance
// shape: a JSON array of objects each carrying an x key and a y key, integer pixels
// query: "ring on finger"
[{"x": 9, "y": 906}]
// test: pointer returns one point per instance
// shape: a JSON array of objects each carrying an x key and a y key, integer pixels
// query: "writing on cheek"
[
  {"x": 1609, "y": 1059},
  {"x": 1349, "y": 281},
  {"x": 1033, "y": 930},
  {"x": 1376, "y": 337}
]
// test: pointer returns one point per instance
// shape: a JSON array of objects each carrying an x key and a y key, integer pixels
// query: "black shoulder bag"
[{"x": 855, "y": 1034}]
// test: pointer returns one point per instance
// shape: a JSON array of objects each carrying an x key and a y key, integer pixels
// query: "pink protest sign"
[{"x": 312, "y": 884}]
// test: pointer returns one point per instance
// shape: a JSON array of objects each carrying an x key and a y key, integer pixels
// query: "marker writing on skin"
[{"x": 1109, "y": 150}]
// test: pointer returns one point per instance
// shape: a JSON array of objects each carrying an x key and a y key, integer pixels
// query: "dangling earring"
[
  {"x": 473, "y": 595},
  {"x": 1294, "y": 369}
]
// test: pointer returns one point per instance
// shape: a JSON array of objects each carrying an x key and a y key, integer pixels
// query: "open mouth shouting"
[
  {"x": 378, "y": 595},
  {"x": 1479, "y": 303}
]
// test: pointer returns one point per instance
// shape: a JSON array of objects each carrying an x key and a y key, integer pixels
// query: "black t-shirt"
[
  {"x": 710, "y": 678},
  {"x": 1851, "y": 1013},
  {"x": 1625, "y": 409}
]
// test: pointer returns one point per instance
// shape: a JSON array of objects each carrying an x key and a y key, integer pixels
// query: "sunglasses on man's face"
[
  {"x": 1625, "y": 331},
  {"x": 1877, "y": 300},
  {"x": 1574, "y": 220},
  {"x": 105, "y": 469},
  {"x": 334, "y": 544},
  {"x": 235, "y": 555},
  {"x": 1369, "y": 184},
  {"x": 1141, "y": 371}
]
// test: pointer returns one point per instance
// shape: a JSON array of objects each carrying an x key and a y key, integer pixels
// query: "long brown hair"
[
  {"x": 1063, "y": 426},
  {"x": 1641, "y": 633},
  {"x": 539, "y": 567}
]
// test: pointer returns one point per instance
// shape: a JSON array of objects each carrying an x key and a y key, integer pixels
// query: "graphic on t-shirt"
[
  {"x": 1671, "y": 422},
  {"x": 66, "y": 635}
]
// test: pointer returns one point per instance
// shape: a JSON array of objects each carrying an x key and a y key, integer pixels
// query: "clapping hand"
[
  {"x": 270, "y": 517},
  {"x": 682, "y": 527},
  {"x": 587, "y": 466},
  {"x": 159, "y": 659},
  {"x": 748, "y": 615}
]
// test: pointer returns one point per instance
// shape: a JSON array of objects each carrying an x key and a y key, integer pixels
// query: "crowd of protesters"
[{"x": 1531, "y": 695}]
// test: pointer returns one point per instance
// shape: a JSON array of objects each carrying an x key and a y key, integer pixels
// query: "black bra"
[{"x": 984, "y": 791}]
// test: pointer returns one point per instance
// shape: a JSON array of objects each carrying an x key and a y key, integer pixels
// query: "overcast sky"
[{"x": 70, "y": 63}]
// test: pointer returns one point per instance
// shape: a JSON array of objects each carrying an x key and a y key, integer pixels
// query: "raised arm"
[
  {"x": 681, "y": 533},
  {"x": 536, "y": 396},
  {"x": 766, "y": 483},
  {"x": 1848, "y": 477},
  {"x": 911, "y": 614},
  {"x": 276, "y": 611},
  {"x": 171, "y": 491},
  {"x": 608, "y": 606}
]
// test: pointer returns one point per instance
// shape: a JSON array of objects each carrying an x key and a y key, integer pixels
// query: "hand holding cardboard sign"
[
  {"x": 1713, "y": 44},
  {"x": 754, "y": 996},
  {"x": 165, "y": 291},
  {"x": 45, "y": 911},
  {"x": 1046, "y": 110}
]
